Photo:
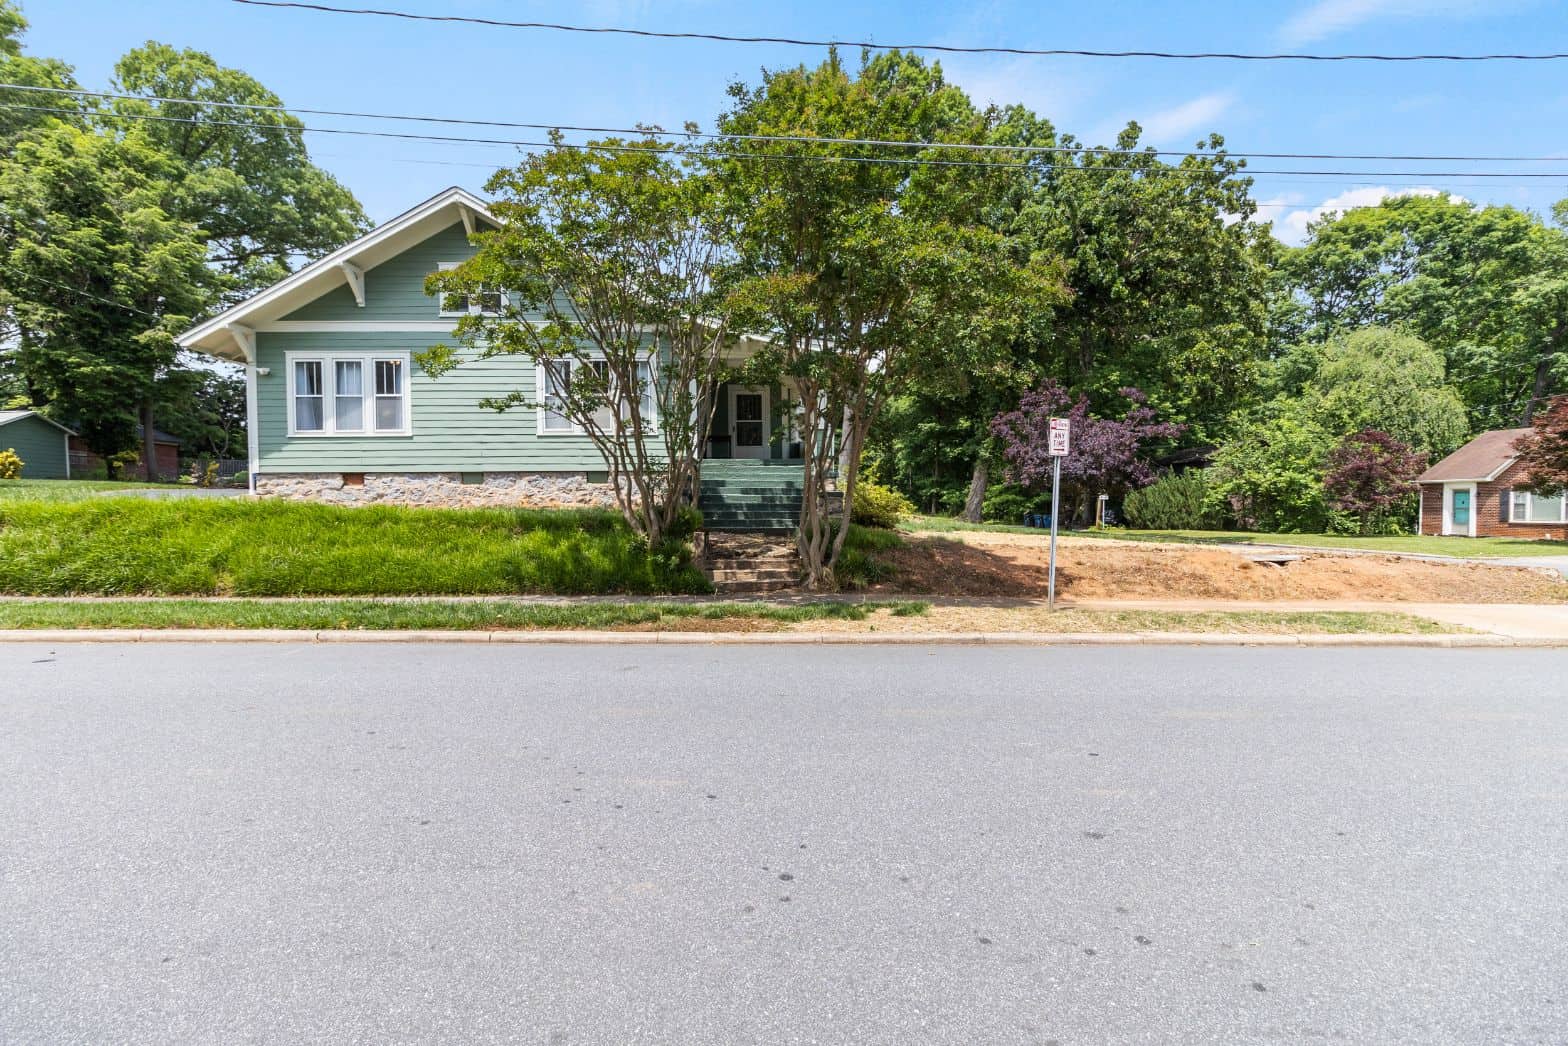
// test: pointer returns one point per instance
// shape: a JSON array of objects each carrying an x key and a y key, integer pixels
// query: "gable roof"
[
  {"x": 226, "y": 334},
  {"x": 1483, "y": 458},
  {"x": 8, "y": 416}
]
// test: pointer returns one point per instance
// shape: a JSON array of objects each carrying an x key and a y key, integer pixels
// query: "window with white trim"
[
  {"x": 337, "y": 394},
  {"x": 1532, "y": 508},
  {"x": 556, "y": 375},
  {"x": 486, "y": 301}
]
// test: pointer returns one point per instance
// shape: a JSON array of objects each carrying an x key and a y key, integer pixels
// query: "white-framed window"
[
  {"x": 557, "y": 374},
  {"x": 485, "y": 302},
  {"x": 348, "y": 394},
  {"x": 1532, "y": 508}
]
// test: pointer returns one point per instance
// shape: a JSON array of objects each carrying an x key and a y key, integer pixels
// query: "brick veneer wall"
[{"x": 1487, "y": 508}]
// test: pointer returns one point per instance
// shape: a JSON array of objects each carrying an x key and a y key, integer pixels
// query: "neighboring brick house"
[
  {"x": 85, "y": 463},
  {"x": 1472, "y": 493}
]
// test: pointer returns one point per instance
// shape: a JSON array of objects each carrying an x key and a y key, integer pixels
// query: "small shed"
[
  {"x": 43, "y": 445},
  {"x": 1474, "y": 493}
]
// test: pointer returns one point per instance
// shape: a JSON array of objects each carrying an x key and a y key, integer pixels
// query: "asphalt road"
[{"x": 390, "y": 843}]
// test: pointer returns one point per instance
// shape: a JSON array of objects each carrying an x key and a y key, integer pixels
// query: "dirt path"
[{"x": 998, "y": 564}]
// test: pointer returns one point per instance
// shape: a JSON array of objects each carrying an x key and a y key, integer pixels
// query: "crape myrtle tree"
[
  {"x": 866, "y": 276},
  {"x": 1543, "y": 451},
  {"x": 1106, "y": 455},
  {"x": 606, "y": 254},
  {"x": 1371, "y": 474}
]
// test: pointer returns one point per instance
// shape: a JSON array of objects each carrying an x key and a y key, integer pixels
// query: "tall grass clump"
[{"x": 271, "y": 548}]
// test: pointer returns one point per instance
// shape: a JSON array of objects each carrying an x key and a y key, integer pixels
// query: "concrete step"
[
  {"x": 717, "y": 574},
  {"x": 743, "y": 587}
]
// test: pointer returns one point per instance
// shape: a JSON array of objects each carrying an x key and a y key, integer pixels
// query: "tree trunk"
[
  {"x": 977, "y": 484},
  {"x": 1543, "y": 377},
  {"x": 149, "y": 441}
]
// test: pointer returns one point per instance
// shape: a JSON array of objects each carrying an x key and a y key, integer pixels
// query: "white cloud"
[
  {"x": 1197, "y": 116},
  {"x": 1291, "y": 227},
  {"x": 1327, "y": 17},
  {"x": 1018, "y": 81}
]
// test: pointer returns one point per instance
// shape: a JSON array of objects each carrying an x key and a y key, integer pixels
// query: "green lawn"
[
  {"x": 1465, "y": 548},
  {"x": 66, "y": 489},
  {"x": 115, "y": 546},
  {"x": 324, "y": 615}
]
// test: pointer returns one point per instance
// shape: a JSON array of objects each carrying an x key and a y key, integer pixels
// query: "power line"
[
  {"x": 807, "y": 139},
  {"x": 778, "y": 157},
  {"x": 78, "y": 291},
  {"x": 873, "y": 45}
]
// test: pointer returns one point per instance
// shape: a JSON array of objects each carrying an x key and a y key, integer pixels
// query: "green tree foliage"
[
  {"x": 98, "y": 276},
  {"x": 1169, "y": 276},
  {"x": 614, "y": 249},
  {"x": 1486, "y": 286},
  {"x": 1269, "y": 474},
  {"x": 868, "y": 276},
  {"x": 1373, "y": 378},
  {"x": 205, "y": 409},
  {"x": 116, "y": 232},
  {"x": 243, "y": 175}
]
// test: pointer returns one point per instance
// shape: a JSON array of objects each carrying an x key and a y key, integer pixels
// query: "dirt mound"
[{"x": 1015, "y": 565}]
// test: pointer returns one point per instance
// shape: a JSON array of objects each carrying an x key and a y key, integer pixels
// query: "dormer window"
[{"x": 484, "y": 302}]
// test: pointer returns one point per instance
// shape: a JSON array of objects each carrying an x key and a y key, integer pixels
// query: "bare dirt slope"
[{"x": 999, "y": 564}]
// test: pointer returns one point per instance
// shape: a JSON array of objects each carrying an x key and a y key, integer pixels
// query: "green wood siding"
[
  {"x": 451, "y": 432},
  {"x": 39, "y": 444}
]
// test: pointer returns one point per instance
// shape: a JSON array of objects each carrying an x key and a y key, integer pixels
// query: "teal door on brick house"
[{"x": 1459, "y": 511}]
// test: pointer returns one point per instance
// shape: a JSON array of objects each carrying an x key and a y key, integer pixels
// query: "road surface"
[{"x": 634, "y": 844}]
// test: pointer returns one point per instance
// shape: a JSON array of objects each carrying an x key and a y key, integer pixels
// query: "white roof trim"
[
  {"x": 24, "y": 413},
  {"x": 466, "y": 206}
]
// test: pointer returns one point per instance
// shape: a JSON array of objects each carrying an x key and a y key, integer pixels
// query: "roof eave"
[{"x": 212, "y": 336}]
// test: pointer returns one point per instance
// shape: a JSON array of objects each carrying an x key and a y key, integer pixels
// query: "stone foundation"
[{"x": 440, "y": 489}]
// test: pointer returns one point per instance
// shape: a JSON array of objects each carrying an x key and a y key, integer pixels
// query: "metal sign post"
[{"x": 1060, "y": 435}]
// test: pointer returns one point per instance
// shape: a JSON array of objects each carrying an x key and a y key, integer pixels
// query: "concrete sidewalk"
[{"x": 1514, "y": 620}]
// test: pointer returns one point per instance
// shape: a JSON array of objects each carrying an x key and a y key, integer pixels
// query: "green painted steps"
[{"x": 740, "y": 496}]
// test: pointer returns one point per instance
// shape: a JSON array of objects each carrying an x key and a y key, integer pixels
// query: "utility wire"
[
  {"x": 77, "y": 291},
  {"x": 812, "y": 140},
  {"x": 873, "y": 45},
  {"x": 772, "y": 157}
]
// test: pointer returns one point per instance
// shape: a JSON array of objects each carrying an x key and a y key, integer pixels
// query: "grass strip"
[{"x": 329, "y": 615}]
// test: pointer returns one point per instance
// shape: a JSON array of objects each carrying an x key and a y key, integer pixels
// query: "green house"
[
  {"x": 43, "y": 446},
  {"x": 339, "y": 411}
]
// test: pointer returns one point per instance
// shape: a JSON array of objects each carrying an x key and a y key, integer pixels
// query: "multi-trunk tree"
[
  {"x": 865, "y": 275},
  {"x": 601, "y": 274}
]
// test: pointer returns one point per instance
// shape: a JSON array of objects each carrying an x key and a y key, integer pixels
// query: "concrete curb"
[{"x": 215, "y": 635}]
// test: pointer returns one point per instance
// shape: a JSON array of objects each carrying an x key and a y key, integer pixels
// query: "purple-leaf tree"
[
  {"x": 1370, "y": 473},
  {"x": 1107, "y": 455}
]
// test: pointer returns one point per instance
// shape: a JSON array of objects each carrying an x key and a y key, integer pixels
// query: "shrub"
[
  {"x": 1176, "y": 502},
  {"x": 879, "y": 506},
  {"x": 10, "y": 465},
  {"x": 1010, "y": 503}
]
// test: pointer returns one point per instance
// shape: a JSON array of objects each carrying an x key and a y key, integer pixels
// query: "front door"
[
  {"x": 749, "y": 419},
  {"x": 1459, "y": 516}
]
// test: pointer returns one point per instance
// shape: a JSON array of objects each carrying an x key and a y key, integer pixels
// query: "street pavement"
[{"x": 638, "y": 844}]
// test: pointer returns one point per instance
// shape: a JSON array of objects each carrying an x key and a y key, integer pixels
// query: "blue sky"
[{"x": 368, "y": 64}]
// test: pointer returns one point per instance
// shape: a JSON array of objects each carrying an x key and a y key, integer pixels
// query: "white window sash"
[
  {"x": 649, "y": 407},
  {"x": 1528, "y": 502},
  {"x": 368, "y": 398},
  {"x": 473, "y": 304}
]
